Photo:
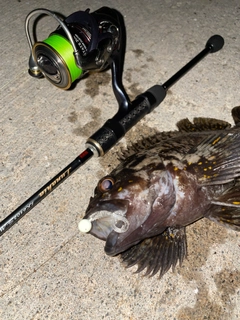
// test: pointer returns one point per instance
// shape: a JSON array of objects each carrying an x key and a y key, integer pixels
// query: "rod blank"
[{"x": 38, "y": 196}]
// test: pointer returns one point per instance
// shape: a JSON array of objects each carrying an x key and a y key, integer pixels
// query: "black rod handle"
[
  {"x": 214, "y": 44},
  {"x": 114, "y": 129}
]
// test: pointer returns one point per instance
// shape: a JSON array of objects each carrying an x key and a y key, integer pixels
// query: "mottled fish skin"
[{"x": 163, "y": 184}]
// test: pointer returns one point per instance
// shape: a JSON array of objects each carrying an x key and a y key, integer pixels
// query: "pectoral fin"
[{"x": 159, "y": 253}]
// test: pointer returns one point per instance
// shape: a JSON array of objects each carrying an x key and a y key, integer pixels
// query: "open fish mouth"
[{"x": 107, "y": 217}]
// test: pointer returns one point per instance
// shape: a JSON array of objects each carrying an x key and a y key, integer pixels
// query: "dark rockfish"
[{"x": 141, "y": 209}]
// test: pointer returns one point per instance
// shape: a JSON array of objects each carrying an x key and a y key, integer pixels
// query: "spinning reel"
[{"x": 83, "y": 42}]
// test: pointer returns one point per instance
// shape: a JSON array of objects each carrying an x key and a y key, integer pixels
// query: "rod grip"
[{"x": 114, "y": 129}]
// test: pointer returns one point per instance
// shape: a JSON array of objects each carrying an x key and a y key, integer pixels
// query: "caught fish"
[{"x": 162, "y": 185}]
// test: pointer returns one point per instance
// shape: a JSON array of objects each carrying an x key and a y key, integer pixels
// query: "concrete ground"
[{"x": 48, "y": 269}]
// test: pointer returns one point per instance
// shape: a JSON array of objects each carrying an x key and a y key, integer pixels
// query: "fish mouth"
[{"x": 108, "y": 220}]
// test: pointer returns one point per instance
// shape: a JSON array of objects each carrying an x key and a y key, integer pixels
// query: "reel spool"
[{"x": 82, "y": 42}]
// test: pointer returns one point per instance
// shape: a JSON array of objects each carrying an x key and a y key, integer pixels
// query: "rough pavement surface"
[{"x": 48, "y": 269}]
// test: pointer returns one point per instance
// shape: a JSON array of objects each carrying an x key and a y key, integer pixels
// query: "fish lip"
[
  {"x": 110, "y": 245},
  {"x": 103, "y": 226},
  {"x": 113, "y": 248}
]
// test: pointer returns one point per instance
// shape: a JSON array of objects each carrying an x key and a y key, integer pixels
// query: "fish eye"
[{"x": 106, "y": 184}]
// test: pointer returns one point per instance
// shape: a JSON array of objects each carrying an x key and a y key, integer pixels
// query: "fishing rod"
[{"x": 87, "y": 41}]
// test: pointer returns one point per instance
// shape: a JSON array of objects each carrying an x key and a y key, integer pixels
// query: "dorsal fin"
[
  {"x": 236, "y": 115},
  {"x": 216, "y": 159},
  {"x": 202, "y": 124},
  {"x": 145, "y": 143},
  {"x": 205, "y": 124},
  {"x": 185, "y": 125}
]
